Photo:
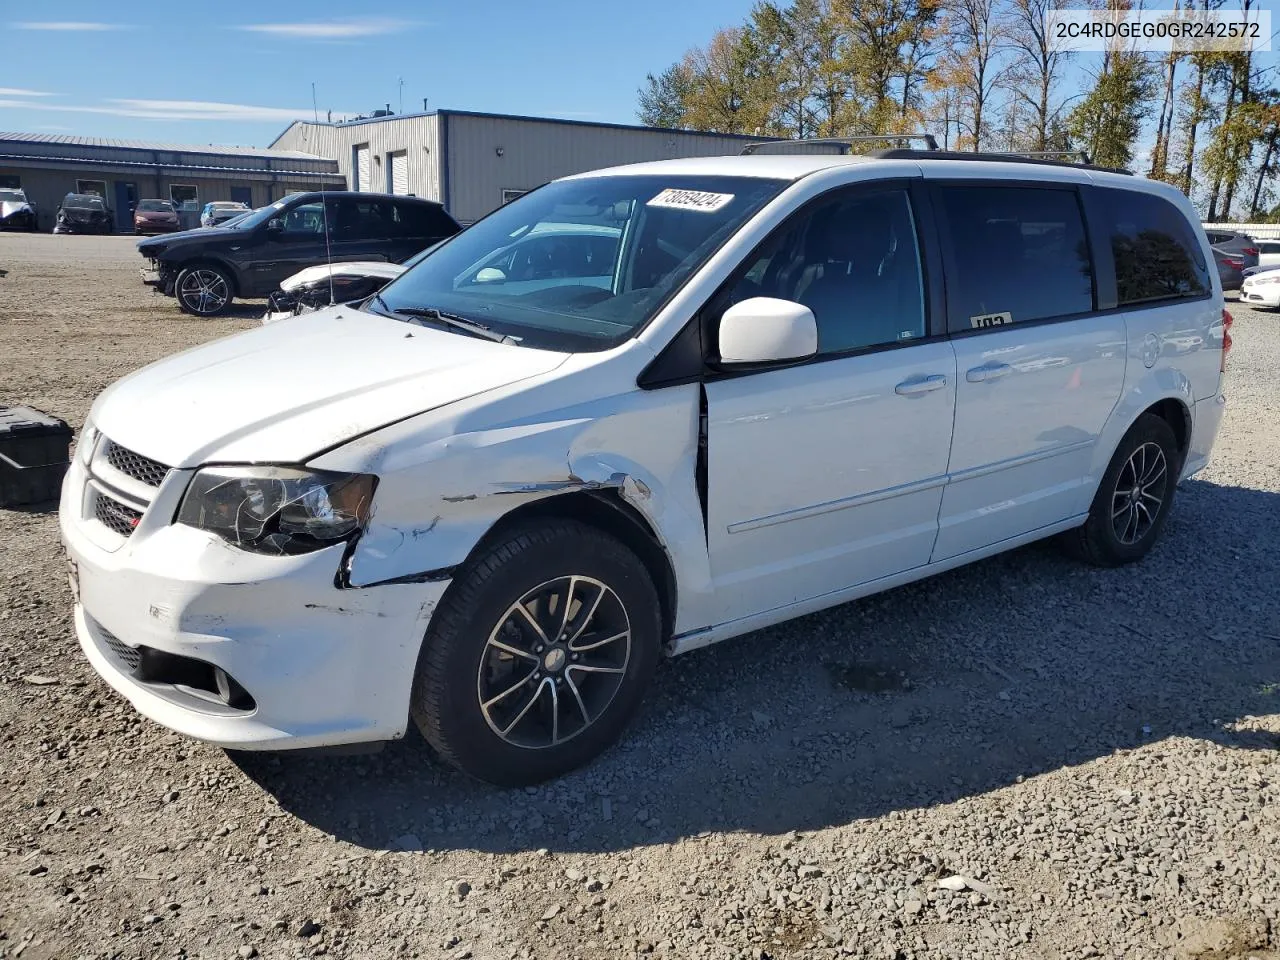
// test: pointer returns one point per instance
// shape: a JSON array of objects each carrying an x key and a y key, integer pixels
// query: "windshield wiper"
[{"x": 451, "y": 320}]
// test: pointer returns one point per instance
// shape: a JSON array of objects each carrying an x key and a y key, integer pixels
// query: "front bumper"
[
  {"x": 1267, "y": 295},
  {"x": 322, "y": 666}
]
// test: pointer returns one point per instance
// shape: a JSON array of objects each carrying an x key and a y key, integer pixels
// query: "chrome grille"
[
  {"x": 135, "y": 465},
  {"x": 127, "y": 656},
  {"x": 115, "y": 515}
]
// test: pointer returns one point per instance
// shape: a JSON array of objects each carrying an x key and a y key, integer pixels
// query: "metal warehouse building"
[
  {"x": 48, "y": 167},
  {"x": 475, "y": 162}
]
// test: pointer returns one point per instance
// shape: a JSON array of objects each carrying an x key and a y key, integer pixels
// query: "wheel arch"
[{"x": 607, "y": 511}]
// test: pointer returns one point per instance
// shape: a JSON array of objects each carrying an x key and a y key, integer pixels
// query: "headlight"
[
  {"x": 278, "y": 509},
  {"x": 1259, "y": 281},
  {"x": 88, "y": 440}
]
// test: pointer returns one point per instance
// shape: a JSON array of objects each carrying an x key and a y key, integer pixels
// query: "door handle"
[
  {"x": 918, "y": 385},
  {"x": 988, "y": 371}
]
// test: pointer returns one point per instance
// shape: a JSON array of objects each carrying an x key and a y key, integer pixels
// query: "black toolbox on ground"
[{"x": 33, "y": 456}]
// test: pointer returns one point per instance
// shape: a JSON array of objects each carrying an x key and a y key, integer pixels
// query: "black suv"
[{"x": 206, "y": 269}]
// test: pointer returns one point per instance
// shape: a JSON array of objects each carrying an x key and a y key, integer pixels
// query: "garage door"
[
  {"x": 399, "y": 164},
  {"x": 360, "y": 163}
]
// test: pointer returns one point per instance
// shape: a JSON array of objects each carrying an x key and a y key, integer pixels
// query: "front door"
[
  {"x": 830, "y": 473},
  {"x": 280, "y": 253},
  {"x": 1039, "y": 371},
  {"x": 126, "y": 203}
]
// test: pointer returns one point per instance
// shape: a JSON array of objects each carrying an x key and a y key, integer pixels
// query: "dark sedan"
[
  {"x": 83, "y": 213},
  {"x": 155, "y": 216},
  {"x": 16, "y": 211},
  {"x": 207, "y": 269}
]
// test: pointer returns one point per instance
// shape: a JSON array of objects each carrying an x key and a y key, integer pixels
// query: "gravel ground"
[{"x": 1025, "y": 758}]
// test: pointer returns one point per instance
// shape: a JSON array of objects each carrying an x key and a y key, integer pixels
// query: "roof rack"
[
  {"x": 846, "y": 142},
  {"x": 1040, "y": 158}
]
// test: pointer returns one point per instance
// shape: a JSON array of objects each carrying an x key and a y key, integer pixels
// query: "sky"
[{"x": 238, "y": 73}]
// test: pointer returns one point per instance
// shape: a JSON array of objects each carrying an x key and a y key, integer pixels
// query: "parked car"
[
  {"x": 491, "y": 504},
  {"x": 155, "y": 216},
  {"x": 1268, "y": 254},
  {"x": 1235, "y": 253},
  {"x": 83, "y": 213},
  {"x": 1230, "y": 270},
  {"x": 206, "y": 269},
  {"x": 16, "y": 211},
  {"x": 1262, "y": 289},
  {"x": 220, "y": 211},
  {"x": 317, "y": 287}
]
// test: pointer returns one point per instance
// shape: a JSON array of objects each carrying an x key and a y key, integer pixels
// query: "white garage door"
[
  {"x": 361, "y": 165},
  {"x": 399, "y": 163}
]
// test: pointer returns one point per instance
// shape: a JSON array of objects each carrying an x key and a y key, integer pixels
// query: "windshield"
[
  {"x": 581, "y": 264},
  {"x": 252, "y": 219},
  {"x": 156, "y": 206},
  {"x": 82, "y": 203},
  {"x": 12, "y": 196}
]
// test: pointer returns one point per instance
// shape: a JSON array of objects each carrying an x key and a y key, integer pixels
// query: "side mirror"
[
  {"x": 490, "y": 275},
  {"x": 275, "y": 225},
  {"x": 766, "y": 330}
]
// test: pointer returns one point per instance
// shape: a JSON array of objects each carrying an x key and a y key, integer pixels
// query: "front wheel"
[
  {"x": 203, "y": 290},
  {"x": 1134, "y": 498},
  {"x": 538, "y": 655}
]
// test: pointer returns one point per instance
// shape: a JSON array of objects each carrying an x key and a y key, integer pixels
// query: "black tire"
[
  {"x": 459, "y": 667},
  {"x": 203, "y": 290},
  {"x": 1125, "y": 518}
]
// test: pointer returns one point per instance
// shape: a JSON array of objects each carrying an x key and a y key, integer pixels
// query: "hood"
[
  {"x": 9, "y": 207},
  {"x": 161, "y": 245},
  {"x": 284, "y": 392},
  {"x": 356, "y": 268},
  {"x": 155, "y": 214}
]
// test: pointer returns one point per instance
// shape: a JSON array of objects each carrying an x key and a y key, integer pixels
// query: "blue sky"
[{"x": 237, "y": 72}]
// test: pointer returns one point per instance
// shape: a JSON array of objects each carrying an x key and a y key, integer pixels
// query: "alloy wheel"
[
  {"x": 554, "y": 662},
  {"x": 203, "y": 291},
  {"x": 1139, "y": 494}
]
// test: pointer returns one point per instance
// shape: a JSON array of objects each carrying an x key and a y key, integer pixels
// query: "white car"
[
  {"x": 770, "y": 385},
  {"x": 219, "y": 212},
  {"x": 1261, "y": 288}
]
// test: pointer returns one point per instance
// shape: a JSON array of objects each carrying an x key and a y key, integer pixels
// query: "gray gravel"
[{"x": 1023, "y": 758}]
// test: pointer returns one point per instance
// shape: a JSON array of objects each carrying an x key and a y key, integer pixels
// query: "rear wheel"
[
  {"x": 538, "y": 655},
  {"x": 203, "y": 290},
  {"x": 1134, "y": 498}
]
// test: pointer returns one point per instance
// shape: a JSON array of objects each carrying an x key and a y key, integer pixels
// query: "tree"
[
  {"x": 1036, "y": 71},
  {"x": 664, "y": 98},
  {"x": 972, "y": 64},
  {"x": 1107, "y": 122}
]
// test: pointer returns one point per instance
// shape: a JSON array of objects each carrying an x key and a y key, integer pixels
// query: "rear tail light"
[
  {"x": 1249, "y": 251},
  {"x": 1233, "y": 262},
  {"x": 1227, "y": 320}
]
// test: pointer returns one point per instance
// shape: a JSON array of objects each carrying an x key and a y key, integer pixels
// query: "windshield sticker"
[
  {"x": 690, "y": 200},
  {"x": 990, "y": 320}
]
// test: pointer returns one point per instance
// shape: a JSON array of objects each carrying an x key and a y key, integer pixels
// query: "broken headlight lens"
[{"x": 278, "y": 509}]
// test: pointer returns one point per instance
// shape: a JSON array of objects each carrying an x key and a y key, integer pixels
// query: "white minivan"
[{"x": 494, "y": 495}]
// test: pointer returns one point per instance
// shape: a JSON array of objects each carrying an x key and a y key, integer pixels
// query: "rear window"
[
  {"x": 425, "y": 220},
  {"x": 1020, "y": 252},
  {"x": 1157, "y": 255}
]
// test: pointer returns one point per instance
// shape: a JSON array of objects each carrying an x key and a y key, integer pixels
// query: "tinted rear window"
[
  {"x": 1157, "y": 254},
  {"x": 1020, "y": 253},
  {"x": 426, "y": 220}
]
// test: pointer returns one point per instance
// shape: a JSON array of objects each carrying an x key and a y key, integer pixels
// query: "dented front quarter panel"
[{"x": 446, "y": 477}]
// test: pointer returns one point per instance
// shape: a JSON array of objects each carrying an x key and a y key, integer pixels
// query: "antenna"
[
  {"x": 328, "y": 249},
  {"x": 315, "y": 111},
  {"x": 400, "y": 80}
]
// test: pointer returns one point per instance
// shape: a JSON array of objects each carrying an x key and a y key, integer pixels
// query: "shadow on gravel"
[{"x": 1014, "y": 667}]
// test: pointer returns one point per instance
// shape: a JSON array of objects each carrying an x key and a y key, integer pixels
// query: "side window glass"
[
  {"x": 855, "y": 262},
  {"x": 304, "y": 219},
  {"x": 1156, "y": 252},
  {"x": 1020, "y": 255}
]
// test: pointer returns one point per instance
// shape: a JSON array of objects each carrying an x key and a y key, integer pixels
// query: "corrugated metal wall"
[
  {"x": 1259, "y": 231},
  {"x": 535, "y": 151},
  {"x": 415, "y": 135}
]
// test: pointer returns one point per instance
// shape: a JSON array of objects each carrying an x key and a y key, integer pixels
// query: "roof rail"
[
  {"x": 1036, "y": 157},
  {"x": 846, "y": 142}
]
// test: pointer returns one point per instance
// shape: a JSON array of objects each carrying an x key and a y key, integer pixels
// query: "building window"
[
  {"x": 183, "y": 193},
  {"x": 96, "y": 187},
  {"x": 509, "y": 194},
  {"x": 10, "y": 181}
]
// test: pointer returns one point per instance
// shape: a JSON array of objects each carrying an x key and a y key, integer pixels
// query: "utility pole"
[{"x": 315, "y": 111}]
